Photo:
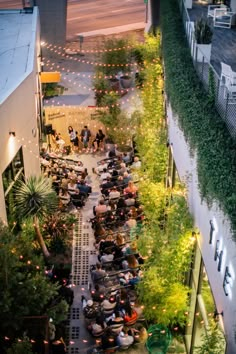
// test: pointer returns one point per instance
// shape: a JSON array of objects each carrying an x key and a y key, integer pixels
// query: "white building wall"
[
  {"x": 19, "y": 113},
  {"x": 186, "y": 167},
  {"x": 233, "y": 5}
]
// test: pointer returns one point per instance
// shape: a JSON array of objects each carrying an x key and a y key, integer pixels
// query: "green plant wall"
[
  {"x": 204, "y": 130},
  {"x": 165, "y": 240}
]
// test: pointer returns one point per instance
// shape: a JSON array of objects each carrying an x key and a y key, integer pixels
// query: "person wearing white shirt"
[
  {"x": 99, "y": 168},
  {"x": 124, "y": 339},
  {"x": 136, "y": 164},
  {"x": 104, "y": 175},
  {"x": 114, "y": 194}
]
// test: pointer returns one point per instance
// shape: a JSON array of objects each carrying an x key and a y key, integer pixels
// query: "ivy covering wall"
[
  {"x": 165, "y": 239},
  {"x": 203, "y": 128}
]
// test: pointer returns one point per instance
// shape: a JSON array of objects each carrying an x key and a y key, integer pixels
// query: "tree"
[
  {"x": 213, "y": 341},
  {"x": 22, "y": 347},
  {"x": 35, "y": 199},
  {"x": 22, "y": 273}
]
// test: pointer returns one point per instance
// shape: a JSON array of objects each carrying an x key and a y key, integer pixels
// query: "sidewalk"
[{"x": 114, "y": 30}]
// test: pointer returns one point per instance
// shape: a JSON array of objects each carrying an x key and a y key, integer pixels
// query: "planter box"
[
  {"x": 114, "y": 84},
  {"x": 109, "y": 145},
  {"x": 126, "y": 81},
  {"x": 203, "y": 51}
]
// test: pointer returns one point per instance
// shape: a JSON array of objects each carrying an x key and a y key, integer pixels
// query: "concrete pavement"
[{"x": 114, "y": 30}]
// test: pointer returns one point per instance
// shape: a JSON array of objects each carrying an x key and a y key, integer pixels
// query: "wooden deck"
[{"x": 224, "y": 40}]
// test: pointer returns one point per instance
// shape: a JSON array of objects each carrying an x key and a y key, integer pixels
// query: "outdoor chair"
[
  {"x": 228, "y": 80},
  {"x": 211, "y": 9},
  {"x": 226, "y": 74},
  {"x": 223, "y": 17}
]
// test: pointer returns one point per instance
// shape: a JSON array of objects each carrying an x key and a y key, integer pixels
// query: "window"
[{"x": 13, "y": 172}]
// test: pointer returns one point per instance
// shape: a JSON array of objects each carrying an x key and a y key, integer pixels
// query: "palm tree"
[{"x": 35, "y": 199}]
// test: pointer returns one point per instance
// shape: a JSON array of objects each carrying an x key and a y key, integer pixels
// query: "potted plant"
[
  {"x": 126, "y": 81},
  {"x": 116, "y": 55},
  {"x": 188, "y": 4},
  {"x": 203, "y": 36}
]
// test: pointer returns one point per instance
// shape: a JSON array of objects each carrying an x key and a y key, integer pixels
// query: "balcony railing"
[{"x": 224, "y": 99}]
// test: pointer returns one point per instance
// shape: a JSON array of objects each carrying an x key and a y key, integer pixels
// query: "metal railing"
[{"x": 224, "y": 101}]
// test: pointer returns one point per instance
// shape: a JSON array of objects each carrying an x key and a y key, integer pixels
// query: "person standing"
[
  {"x": 85, "y": 136},
  {"x": 71, "y": 133},
  {"x": 76, "y": 143}
]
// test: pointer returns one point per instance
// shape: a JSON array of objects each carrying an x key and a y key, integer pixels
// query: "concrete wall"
[
  {"x": 186, "y": 166},
  {"x": 53, "y": 21}
]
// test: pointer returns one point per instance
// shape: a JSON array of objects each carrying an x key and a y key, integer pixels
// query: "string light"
[
  {"x": 89, "y": 76},
  {"x": 98, "y": 341},
  {"x": 122, "y": 102},
  {"x": 66, "y": 56},
  {"x": 130, "y": 46}
]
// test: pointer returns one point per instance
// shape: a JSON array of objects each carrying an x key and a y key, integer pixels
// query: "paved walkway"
[{"x": 83, "y": 255}]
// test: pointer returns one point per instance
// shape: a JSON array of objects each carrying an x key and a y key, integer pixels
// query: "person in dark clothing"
[
  {"x": 56, "y": 184},
  {"x": 78, "y": 199},
  {"x": 67, "y": 293},
  {"x": 85, "y": 136},
  {"x": 84, "y": 188},
  {"x": 107, "y": 244},
  {"x": 98, "y": 138},
  {"x": 106, "y": 187},
  {"x": 114, "y": 175},
  {"x": 97, "y": 294},
  {"x": 89, "y": 309},
  {"x": 76, "y": 142},
  {"x": 58, "y": 347},
  {"x": 108, "y": 339}
]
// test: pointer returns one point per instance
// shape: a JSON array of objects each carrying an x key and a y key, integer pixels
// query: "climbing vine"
[{"x": 201, "y": 124}]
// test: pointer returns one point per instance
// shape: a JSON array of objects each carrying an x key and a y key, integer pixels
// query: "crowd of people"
[{"x": 109, "y": 313}]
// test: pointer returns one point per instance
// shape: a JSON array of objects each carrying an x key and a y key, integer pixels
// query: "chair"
[
  {"x": 226, "y": 74},
  {"x": 228, "y": 80},
  {"x": 211, "y": 9},
  {"x": 223, "y": 17}
]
